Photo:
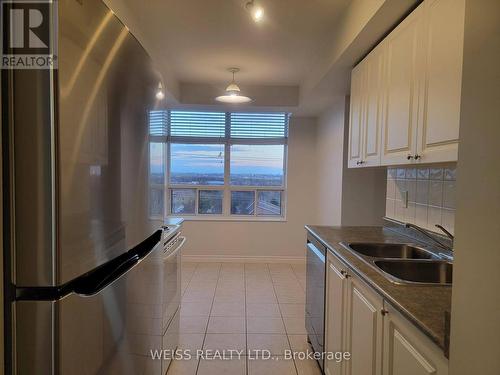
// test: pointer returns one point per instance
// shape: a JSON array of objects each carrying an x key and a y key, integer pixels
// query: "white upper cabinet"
[
  {"x": 366, "y": 110},
  {"x": 405, "y": 95},
  {"x": 404, "y": 57},
  {"x": 372, "y": 126},
  {"x": 438, "y": 134},
  {"x": 356, "y": 117}
]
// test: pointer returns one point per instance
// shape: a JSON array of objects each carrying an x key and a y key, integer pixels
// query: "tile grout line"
[
  {"x": 209, "y": 315},
  {"x": 298, "y": 280},
  {"x": 282, "y": 320},
  {"x": 189, "y": 282}
]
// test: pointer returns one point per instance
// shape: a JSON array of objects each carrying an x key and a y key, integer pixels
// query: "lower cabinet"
[
  {"x": 335, "y": 316},
  {"x": 407, "y": 351},
  {"x": 379, "y": 339},
  {"x": 364, "y": 328}
]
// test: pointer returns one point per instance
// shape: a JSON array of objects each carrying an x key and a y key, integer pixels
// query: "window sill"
[{"x": 233, "y": 218}]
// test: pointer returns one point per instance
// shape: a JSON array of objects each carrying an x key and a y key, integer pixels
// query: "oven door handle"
[
  {"x": 177, "y": 249},
  {"x": 316, "y": 251}
]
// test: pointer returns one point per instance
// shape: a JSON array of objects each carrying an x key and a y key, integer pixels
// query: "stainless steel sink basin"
[
  {"x": 390, "y": 250},
  {"x": 436, "y": 272}
]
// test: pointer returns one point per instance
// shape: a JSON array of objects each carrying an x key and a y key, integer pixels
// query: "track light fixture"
[{"x": 255, "y": 10}]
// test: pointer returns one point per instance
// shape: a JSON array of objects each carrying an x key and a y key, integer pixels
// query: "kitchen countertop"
[
  {"x": 173, "y": 221},
  {"x": 425, "y": 306}
]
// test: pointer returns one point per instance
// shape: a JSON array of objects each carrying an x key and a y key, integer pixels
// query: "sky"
[{"x": 245, "y": 159}]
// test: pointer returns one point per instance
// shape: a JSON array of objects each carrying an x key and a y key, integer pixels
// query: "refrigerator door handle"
[
  {"x": 96, "y": 280},
  {"x": 92, "y": 284}
]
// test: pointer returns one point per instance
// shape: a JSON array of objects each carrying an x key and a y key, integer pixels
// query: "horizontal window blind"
[
  {"x": 158, "y": 123},
  {"x": 259, "y": 125},
  {"x": 197, "y": 124},
  {"x": 213, "y": 124}
]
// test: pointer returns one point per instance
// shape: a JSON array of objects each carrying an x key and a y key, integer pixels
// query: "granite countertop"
[{"x": 425, "y": 306}]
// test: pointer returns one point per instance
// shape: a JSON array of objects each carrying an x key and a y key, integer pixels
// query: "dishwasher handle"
[{"x": 316, "y": 251}]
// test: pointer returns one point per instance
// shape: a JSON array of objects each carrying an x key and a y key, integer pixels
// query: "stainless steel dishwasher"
[{"x": 315, "y": 295}]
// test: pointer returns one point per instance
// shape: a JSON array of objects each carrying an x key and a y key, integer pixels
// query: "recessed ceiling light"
[
  {"x": 256, "y": 10},
  {"x": 258, "y": 14},
  {"x": 233, "y": 92}
]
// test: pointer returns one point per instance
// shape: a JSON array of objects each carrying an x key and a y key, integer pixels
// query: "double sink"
[{"x": 404, "y": 263}]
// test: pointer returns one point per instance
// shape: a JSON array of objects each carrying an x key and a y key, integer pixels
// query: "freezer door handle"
[{"x": 96, "y": 280}]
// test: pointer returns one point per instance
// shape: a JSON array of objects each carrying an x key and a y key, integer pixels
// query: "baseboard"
[{"x": 242, "y": 259}]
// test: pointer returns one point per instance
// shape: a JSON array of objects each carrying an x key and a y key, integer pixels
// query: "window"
[
  {"x": 242, "y": 202},
  {"x": 195, "y": 164},
  {"x": 183, "y": 201},
  {"x": 257, "y": 165},
  {"x": 156, "y": 178},
  {"x": 217, "y": 164},
  {"x": 210, "y": 202}
]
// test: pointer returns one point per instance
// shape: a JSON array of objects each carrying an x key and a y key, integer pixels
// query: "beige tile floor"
[{"x": 243, "y": 307}]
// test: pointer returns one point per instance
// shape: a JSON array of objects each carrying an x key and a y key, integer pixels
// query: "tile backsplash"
[{"x": 423, "y": 195}]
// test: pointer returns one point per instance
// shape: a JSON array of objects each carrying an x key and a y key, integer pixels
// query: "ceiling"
[
  {"x": 200, "y": 39},
  {"x": 298, "y": 58}
]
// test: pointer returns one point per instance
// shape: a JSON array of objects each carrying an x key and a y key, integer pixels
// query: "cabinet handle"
[
  {"x": 384, "y": 312},
  {"x": 417, "y": 157},
  {"x": 409, "y": 157},
  {"x": 361, "y": 162}
]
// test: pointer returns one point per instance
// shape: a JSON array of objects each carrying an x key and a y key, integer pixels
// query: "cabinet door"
[
  {"x": 335, "y": 313},
  {"x": 403, "y": 69},
  {"x": 356, "y": 117},
  {"x": 364, "y": 329},
  {"x": 407, "y": 351},
  {"x": 438, "y": 131},
  {"x": 372, "y": 124}
]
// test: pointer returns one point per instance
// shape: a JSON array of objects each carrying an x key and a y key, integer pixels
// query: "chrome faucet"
[
  {"x": 428, "y": 235},
  {"x": 443, "y": 229}
]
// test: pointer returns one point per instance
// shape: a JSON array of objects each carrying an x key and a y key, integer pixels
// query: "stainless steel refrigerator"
[{"x": 83, "y": 260}]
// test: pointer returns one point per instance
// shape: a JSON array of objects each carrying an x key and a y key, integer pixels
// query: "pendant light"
[
  {"x": 160, "y": 95},
  {"x": 233, "y": 92}
]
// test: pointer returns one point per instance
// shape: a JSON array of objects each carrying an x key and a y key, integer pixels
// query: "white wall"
[
  {"x": 267, "y": 240},
  {"x": 475, "y": 326},
  {"x": 330, "y": 156},
  {"x": 345, "y": 196}
]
